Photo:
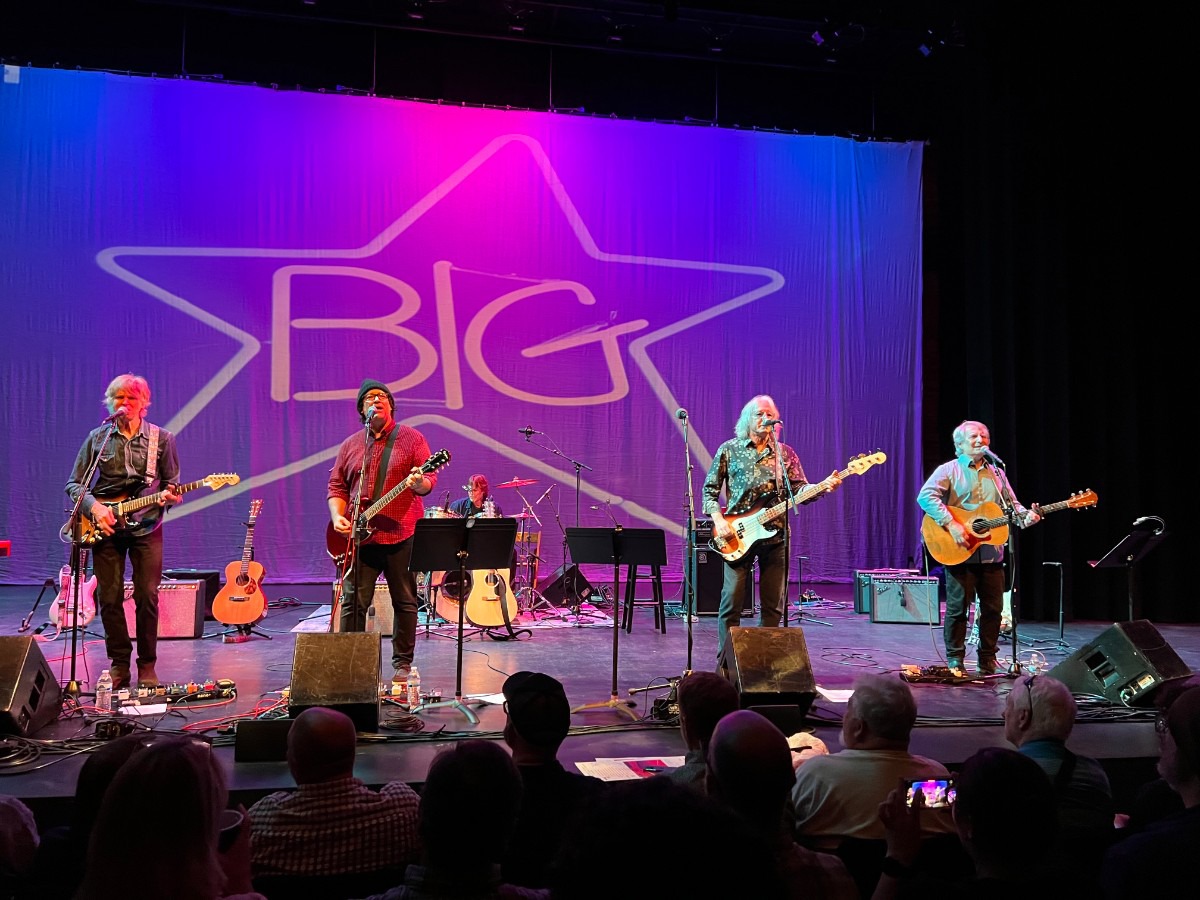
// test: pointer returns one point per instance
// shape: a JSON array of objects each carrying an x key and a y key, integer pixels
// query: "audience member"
[
  {"x": 467, "y": 815},
  {"x": 18, "y": 843},
  {"x": 539, "y": 718},
  {"x": 837, "y": 796},
  {"x": 1004, "y": 816},
  {"x": 170, "y": 797},
  {"x": 704, "y": 698},
  {"x": 750, "y": 771},
  {"x": 332, "y": 834},
  {"x": 1156, "y": 860},
  {"x": 692, "y": 846}
]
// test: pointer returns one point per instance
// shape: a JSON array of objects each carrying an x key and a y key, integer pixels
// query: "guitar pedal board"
[{"x": 176, "y": 693}]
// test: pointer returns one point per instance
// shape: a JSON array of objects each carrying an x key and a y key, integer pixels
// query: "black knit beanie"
[{"x": 370, "y": 384}]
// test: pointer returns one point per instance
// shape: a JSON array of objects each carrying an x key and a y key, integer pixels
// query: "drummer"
[{"x": 478, "y": 501}]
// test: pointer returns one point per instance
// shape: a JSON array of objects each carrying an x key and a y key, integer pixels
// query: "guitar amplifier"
[
  {"x": 180, "y": 608},
  {"x": 863, "y": 579},
  {"x": 906, "y": 600},
  {"x": 384, "y": 615}
]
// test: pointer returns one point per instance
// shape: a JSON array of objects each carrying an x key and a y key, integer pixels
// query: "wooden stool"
[{"x": 660, "y": 610}]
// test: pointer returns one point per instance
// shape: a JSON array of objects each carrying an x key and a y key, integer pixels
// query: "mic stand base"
[
  {"x": 613, "y": 702},
  {"x": 457, "y": 703}
]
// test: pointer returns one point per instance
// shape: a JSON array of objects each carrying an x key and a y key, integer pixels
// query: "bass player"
[{"x": 751, "y": 467}]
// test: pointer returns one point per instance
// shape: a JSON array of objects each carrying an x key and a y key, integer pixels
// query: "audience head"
[
  {"x": 539, "y": 715},
  {"x": 880, "y": 714},
  {"x": 19, "y": 839},
  {"x": 476, "y": 782},
  {"x": 321, "y": 745},
  {"x": 1002, "y": 793},
  {"x": 97, "y": 773},
  {"x": 704, "y": 698},
  {"x": 1038, "y": 708},
  {"x": 750, "y": 767},
  {"x": 1178, "y": 727},
  {"x": 174, "y": 787}
]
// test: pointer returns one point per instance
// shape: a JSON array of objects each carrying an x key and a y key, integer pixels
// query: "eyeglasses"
[
  {"x": 374, "y": 397},
  {"x": 1160, "y": 724},
  {"x": 1029, "y": 692},
  {"x": 506, "y": 707}
]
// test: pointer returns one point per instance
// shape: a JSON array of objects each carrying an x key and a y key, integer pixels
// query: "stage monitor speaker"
[
  {"x": 180, "y": 609},
  {"x": 212, "y": 584},
  {"x": 261, "y": 740},
  {"x": 567, "y": 587},
  {"x": 907, "y": 600},
  {"x": 709, "y": 572},
  {"x": 1124, "y": 664},
  {"x": 771, "y": 671},
  {"x": 30, "y": 697},
  {"x": 340, "y": 671}
]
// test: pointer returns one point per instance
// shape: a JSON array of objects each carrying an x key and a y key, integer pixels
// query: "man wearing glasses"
[{"x": 369, "y": 464}]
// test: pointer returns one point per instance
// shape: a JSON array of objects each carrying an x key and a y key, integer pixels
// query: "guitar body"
[
  {"x": 941, "y": 545},
  {"x": 63, "y": 611},
  {"x": 241, "y": 601},
  {"x": 89, "y": 531},
  {"x": 488, "y": 599},
  {"x": 748, "y": 528}
]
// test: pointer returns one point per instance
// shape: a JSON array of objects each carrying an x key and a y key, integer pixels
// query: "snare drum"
[{"x": 436, "y": 512}]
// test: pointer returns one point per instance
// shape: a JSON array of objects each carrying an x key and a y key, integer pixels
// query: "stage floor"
[{"x": 955, "y": 719}]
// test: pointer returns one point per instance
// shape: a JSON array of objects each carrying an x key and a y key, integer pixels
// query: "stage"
[{"x": 955, "y": 719}]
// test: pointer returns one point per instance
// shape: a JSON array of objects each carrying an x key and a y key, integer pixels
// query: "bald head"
[
  {"x": 321, "y": 745},
  {"x": 750, "y": 766}
]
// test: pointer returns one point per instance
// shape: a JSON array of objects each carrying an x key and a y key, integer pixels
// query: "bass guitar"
[
  {"x": 338, "y": 545},
  {"x": 986, "y": 524},
  {"x": 241, "y": 600},
  {"x": 124, "y": 506},
  {"x": 749, "y": 528},
  {"x": 63, "y": 611}
]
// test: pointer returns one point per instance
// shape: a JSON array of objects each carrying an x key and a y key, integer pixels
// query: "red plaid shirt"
[{"x": 398, "y": 520}]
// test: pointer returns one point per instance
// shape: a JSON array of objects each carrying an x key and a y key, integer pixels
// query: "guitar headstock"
[
  {"x": 255, "y": 509},
  {"x": 221, "y": 479},
  {"x": 437, "y": 461},
  {"x": 1082, "y": 499},
  {"x": 862, "y": 462}
]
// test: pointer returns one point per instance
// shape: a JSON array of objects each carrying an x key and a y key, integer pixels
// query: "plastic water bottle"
[
  {"x": 104, "y": 688},
  {"x": 414, "y": 688},
  {"x": 370, "y": 626}
]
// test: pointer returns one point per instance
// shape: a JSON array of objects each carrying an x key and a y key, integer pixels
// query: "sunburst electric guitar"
[
  {"x": 124, "y": 508},
  {"x": 986, "y": 524},
  {"x": 748, "y": 528},
  {"x": 241, "y": 601}
]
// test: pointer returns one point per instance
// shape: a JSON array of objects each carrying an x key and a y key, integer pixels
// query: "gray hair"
[
  {"x": 749, "y": 411},
  {"x": 886, "y": 705}
]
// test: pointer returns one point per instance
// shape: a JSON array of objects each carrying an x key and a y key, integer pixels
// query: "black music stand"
[
  {"x": 443, "y": 545},
  {"x": 1148, "y": 532},
  {"x": 631, "y": 546}
]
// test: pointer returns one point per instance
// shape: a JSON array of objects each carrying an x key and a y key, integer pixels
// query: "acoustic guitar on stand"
[
  {"x": 63, "y": 611},
  {"x": 241, "y": 600},
  {"x": 986, "y": 524},
  {"x": 749, "y": 528}
]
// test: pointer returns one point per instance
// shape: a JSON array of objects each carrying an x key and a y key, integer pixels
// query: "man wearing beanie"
[{"x": 369, "y": 464}]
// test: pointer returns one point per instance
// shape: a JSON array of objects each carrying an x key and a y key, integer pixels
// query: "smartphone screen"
[{"x": 939, "y": 792}]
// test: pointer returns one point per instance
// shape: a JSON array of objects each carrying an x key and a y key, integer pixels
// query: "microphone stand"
[
  {"x": 1009, "y": 506},
  {"x": 578, "y": 465},
  {"x": 689, "y": 525}
]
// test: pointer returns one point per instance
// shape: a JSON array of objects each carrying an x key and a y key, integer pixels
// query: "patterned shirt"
[
  {"x": 466, "y": 508},
  {"x": 122, "y": 470},
  {"x": 398, "y": 520},
  {"x": 334, "y": 827},
  {"x": 748, "y": 476},
  {"x": 958, "y": 483}
]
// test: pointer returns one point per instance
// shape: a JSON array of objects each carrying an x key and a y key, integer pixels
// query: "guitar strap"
[
  {"x": 152, "y": 456},
  {"x": 381, "y": 469}
]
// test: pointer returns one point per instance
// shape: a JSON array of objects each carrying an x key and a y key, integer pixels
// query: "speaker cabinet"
[
  {"x": 771, "y": 671},
  {"x": 385, "y": 615},
  {"x": 567, "y": 587},
  {"x": 340, "y": 671},
  {"x": 910, "y": 600},
  {"x": 181, "y": 607},
  {"x": 1124, "y": 664},
  {"x": 30, "y": 697},
  {"x": 708, "y": 573},
  {"x": 261, "y": 740},
  {"x": 212, "y": 584}
]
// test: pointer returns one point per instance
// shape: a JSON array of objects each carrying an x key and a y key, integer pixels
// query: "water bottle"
[
  {"x": 370, "y": 626},
  {"x": 414, "y": 688},
  {"x": 104, "y": 687}
]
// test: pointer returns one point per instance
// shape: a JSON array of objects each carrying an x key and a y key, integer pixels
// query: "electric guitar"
[
  {"x": 241, "y": 600},
  {"x": 338, "y": 545},
  {"x": 124, "y": 506},
  {"x": 749, "y": 528},
  {"x": 63, "y": 611},
  {"x": 986, "y": 524}
]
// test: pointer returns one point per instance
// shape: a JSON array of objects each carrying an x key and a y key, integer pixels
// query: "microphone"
[
  {"x": 121, "y": 411},
  {"x": 446, "y": 500},
  {"x": 769, "y": 423},
  {"x": 992, "y": 456},
  {"x": 545, "y": 495},
  {"x": 681, "y": 413},
  {"x": 527, "y": 431}
]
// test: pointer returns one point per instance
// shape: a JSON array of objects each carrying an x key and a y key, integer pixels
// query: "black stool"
[{"x": 660, "y": 610}]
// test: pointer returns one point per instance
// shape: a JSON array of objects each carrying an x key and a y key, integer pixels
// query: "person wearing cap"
[
  {"x": 1157, "y": 860},
  {"x": 368, "y": 465},
  {"x": 478, "y": 501},
  {"x": 539, "y": 718}
]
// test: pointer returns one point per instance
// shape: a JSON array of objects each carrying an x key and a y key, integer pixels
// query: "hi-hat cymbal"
[{"x": 518, "y": 482}]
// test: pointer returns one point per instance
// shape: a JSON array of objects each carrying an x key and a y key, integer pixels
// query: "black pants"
[
  {"x": 392, "y": 561},
  {"x": 963, "y": 583},
  {"x": 739, "y": 578},
  {"x": 108, "y": 562}
]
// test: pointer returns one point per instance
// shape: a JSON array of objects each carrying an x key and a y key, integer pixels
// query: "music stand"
[
  {"x": 632, "y": 546},
  {"x": 442, "y": 545},
  {"x": 1148, "y": 532}
]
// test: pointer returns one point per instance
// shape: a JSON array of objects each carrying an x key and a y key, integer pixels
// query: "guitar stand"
[
  {"x": 442, "y": 545},
  {"x": 239, "y": 634},
  {"x": 24, "y": 626}
]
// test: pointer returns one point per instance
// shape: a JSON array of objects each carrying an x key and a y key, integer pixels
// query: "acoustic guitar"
[
  {"x": 986, "y": 524},
  {"x": 63, "y": 610},
  {"x": 241, "y": 601},
  {"x": 124, "y": 506},
  {"x": 489, "y": 604}
]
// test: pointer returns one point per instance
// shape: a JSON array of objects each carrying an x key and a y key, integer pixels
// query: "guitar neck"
[
  {"x": 128, "y": 506},
  {"x": 248, "y": 550},
  {"x": 374, "y": 508},
  {"x": 805, "y": 494}
]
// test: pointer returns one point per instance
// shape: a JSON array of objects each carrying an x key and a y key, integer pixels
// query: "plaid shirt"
[
  {"x": 335, "y": 827},
  {"x": 398, "y": 520}
]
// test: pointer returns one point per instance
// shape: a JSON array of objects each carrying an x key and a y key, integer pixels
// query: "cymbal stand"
[{"x": 578, "y": 466}]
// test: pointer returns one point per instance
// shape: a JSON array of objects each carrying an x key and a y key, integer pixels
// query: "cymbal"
[
  {"x": 518, "y": 482},
  {"x": 520, "y": 515}
]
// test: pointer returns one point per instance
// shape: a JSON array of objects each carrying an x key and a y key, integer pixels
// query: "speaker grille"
[
  {"x": 773, "y": 675},
  {"x": 1124, "y": 664},
  {"x": 340, "y": 671}
]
